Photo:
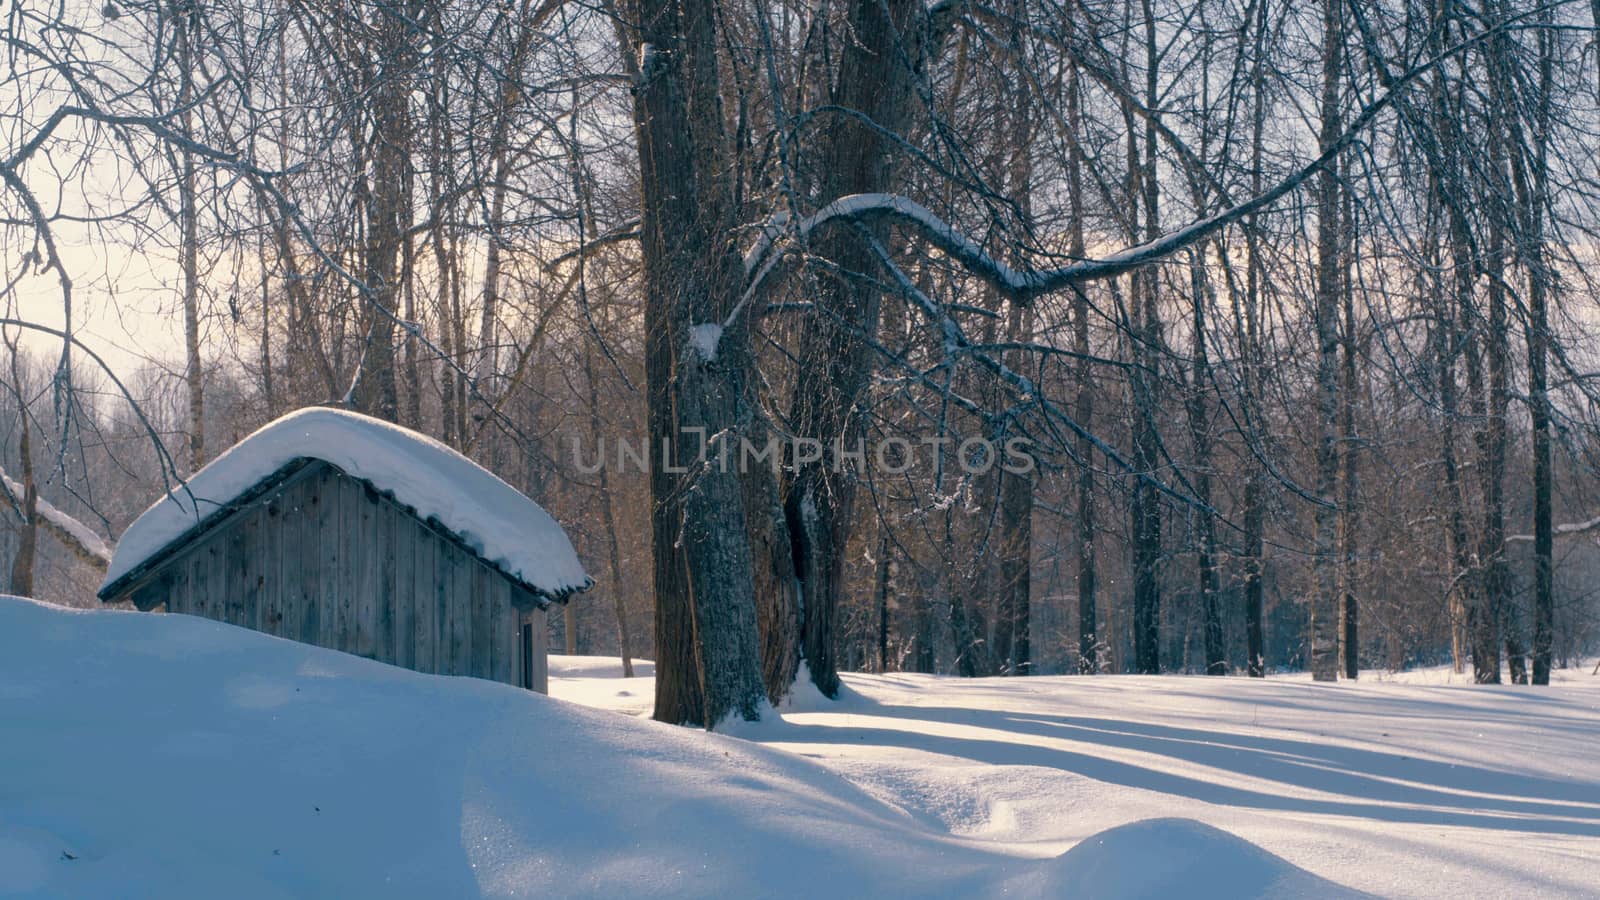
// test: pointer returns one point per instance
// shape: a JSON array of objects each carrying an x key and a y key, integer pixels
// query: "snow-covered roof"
[{"x": 494, "y": 519}]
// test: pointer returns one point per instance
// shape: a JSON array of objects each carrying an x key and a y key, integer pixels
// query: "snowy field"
[{"x": 166, "y": 756}]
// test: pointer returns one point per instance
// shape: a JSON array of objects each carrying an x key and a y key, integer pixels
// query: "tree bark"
[
  {"x": 269, "y": 394},
  {"x": 1349, "y": 511},
  {"x": 1146, "y": 506},
  {"x": 22, "y": 565},
  {"x": 1017, "y": 488},
  {"x": 1200, "y": 436},
  {"x": 608, "y": 518},
  {"x": 694, "y": 277},
  {"x": 1538, "y": 371},
  {"x": 1083, "y": 547},
  {"x": 1016, "y": 547},
  {"x": 1330, "y": 249},
  {"x": 507, "y": 99},
  {"x": 189, "y": 243},
  {"x": 883, "y": 578},
  {"x": 376, "y": 391},
  {"x": 1495, "y": 597},
  {"x": 876, "y": 76},
  {"x": 1254, "y": 524},
  {"x": 777, "y": 590}
]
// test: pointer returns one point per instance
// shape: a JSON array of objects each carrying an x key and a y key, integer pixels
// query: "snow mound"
[
  {"x": 173, "y": 756},
  {"x": 506, "y": 528},
  {"x": 1159, "y": 858}
]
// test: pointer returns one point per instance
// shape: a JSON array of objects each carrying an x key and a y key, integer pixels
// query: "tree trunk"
[
  {"x": 608, "y": 517},
  {"x": 1464, "y": 590},
  {"x": 1146, "y": 507},
  {"x": 269, "y": 393},
  {"x": 189, "y": 246},
  {"x": 883, "y": 578},
  {"x": 1016, "y": 552},
  {"x": 22, "y": 565},
  {"x": 413, "y": 370},
  {"x": 1083, "y": 408},
  {"x": 1200, "y": 435},
  {"x": 376, "y": 391},
  {"x": 1253, "y": 538},
  {"x": 923, "y": 658},
  {"x": 510, "y": 94},
  {"x": 1495, "y": 597},
  {"x": 876, "y": 77},
  {"x": 1330, "y": 248},
  {"x": 1349, "y": 512},
  {"x": 1017, "y": 488},
  {"x": 1538, "y": 373},
  {"x": 694, "y": 278},
  {"x": 1089, "y": 633},
  {"x": 777, "y": 590}
]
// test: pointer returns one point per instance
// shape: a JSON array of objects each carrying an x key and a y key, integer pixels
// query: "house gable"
[{"x": 318, "y": 556}]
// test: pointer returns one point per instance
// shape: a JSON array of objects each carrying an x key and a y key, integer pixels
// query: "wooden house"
[{"x": 346, "y": 532}]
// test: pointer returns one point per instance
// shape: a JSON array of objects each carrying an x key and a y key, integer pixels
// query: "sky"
[
  {"x": 124, "y": 283},
  {"x": 125, "y": 303}
]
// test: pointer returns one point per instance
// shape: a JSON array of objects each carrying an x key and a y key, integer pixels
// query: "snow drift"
[{"x": 151, "y": 755}]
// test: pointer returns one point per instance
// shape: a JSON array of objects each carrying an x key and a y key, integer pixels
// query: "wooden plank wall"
[{"x": 326, "y": 560}]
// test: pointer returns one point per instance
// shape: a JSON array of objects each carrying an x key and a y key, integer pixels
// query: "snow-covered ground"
[
  {"x": 1415, "y": 784},
  {"x": 165, "y": 756}
]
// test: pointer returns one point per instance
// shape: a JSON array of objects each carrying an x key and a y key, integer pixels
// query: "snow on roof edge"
[
  {"x": 92, "y": 542},
  {"x": 493, "y": 519}
]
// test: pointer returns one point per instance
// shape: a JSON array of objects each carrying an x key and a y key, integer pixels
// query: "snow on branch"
[
  {"x": 956, "y": 342},
  {"x": 1561, "y": 530},
  {"x": 761, "y": 259},
  {"x": 78, "y": 537},
  {"x": 704, "y": 338},
  {"x": 1020, "y": 284}
]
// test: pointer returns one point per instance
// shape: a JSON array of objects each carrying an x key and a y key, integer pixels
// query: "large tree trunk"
[
  {"x": 693, "y": 281},
  {"x": 679, "y": 696},
  {"x": 874, "y": 78}
]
